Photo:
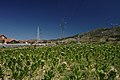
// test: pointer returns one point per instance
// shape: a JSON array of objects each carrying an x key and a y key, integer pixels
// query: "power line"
[
  {"x": 38, "y": 33},
  {"x": 62, "y": 25}
]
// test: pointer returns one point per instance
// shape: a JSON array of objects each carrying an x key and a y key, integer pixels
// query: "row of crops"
[{"x": 66, "y": 62}]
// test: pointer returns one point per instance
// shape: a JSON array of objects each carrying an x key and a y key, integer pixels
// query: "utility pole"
[
  {"x": 38, "y": 34},
  {"x": 62, "y": 25},
  {"x": 78, "y": 39}
]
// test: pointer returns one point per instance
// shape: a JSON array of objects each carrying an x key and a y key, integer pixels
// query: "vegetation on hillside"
[{"x": 99, "y": 35}]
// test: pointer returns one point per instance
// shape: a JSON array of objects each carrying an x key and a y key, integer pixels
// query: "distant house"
[
  {"x": 2, "y": 38},
  {"x": 9, "y": 40},
  {"x": 1, "y": 41},
  {"x": 31, "y": 41},
  {"x": 5, "y": 40},
  {"x": 22, "y": 41}
]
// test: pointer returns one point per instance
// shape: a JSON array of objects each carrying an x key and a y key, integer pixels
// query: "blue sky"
[{"x": 19, "y": 19}]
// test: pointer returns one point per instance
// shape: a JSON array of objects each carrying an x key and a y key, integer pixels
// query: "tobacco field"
[{"x": 63, "y": 62}]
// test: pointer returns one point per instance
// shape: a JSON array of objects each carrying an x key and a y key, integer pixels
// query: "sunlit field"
[{"x": 63, "y": 62}]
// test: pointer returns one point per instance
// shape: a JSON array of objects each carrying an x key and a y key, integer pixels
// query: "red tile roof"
[{"x": 3, "y": 36}]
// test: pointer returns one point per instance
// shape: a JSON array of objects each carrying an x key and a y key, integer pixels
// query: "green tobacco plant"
[{"x": 64, "y": 62}]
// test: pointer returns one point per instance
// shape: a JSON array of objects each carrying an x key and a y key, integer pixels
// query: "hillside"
[{"x": 98, "y": 35}]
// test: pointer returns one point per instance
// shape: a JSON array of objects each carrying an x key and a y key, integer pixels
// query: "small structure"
[
  {"x": 22, "y": 41},
  {"x": 2, "y": 38},
  {"x": 30, "y": 41},
  {"x": 5, "y": 40},
  {"x": 9, "y": 40}
]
